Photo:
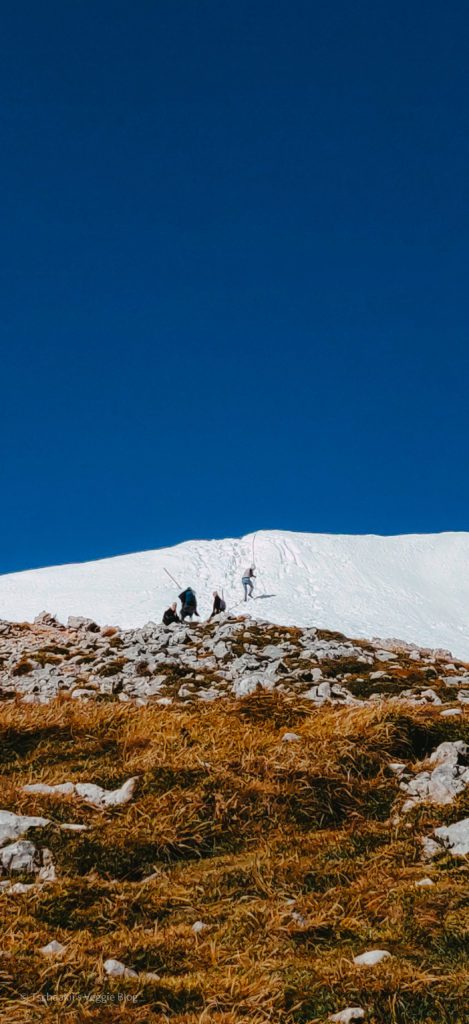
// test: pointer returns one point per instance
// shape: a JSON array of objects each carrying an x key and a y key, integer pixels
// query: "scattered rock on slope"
[
  {"x": 445, "y": 781},
  {"x": 207, "y": 661},
  {"x": 453, "y": 839}
]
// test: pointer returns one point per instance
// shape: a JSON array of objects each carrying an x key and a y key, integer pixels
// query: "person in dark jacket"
[
  {"x": 171, "y": 615},
  {"x": 188, "y": 604},
  {"x": 219, "y": 604}
]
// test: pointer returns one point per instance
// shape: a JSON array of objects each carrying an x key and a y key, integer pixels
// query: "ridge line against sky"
[
  {"x": 194, "y": 541},
  {"x": 234, "y": 284}
]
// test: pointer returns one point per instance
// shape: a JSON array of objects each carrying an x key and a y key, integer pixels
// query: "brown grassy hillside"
[{"x": 289, "y": 853}]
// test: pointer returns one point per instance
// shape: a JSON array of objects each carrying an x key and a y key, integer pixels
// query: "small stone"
[
  {"x": 35, "y": 698},
  {"x": 290, "y": 737},
  {"x": 53, "y": 948},
  {"x": 47, "y": 872},
  {"x": 450, "y": 712},
  {"x": 72, "y": 827},
  {"x": 272, "y": 652},
  {"x": 198, "y": 927},
  {"x": 423, "y": 883},
  {"x": 348, "y": 1015},
  {"x": 298, "y": 918},
  {"x": 431, "y": 696},
  {"x": 371, "y": 957},
  {"x": 16, "y": 888},
  {"x": 45, "y": 619},
  {"x": 116, "y": 969},
  {"x": 430, "y": 847},
  {"x": 88, "y": 625}
]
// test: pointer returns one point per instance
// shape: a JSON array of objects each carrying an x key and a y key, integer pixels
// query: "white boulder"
[
  {"x": 12, "y": 825},
  {"x": 99, "y": 797},
  {"x": 20, "y": 856},
  {"x": 88, "y": 791},
  {"x": 449, "y": 777},
  {"x": 451, "y": 838},
  {"x": 61, "y": 789}
]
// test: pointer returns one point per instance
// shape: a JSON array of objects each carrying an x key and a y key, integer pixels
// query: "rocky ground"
[
  {"x": 228, "y": 656},
  {"x": 231, "y": 821}
]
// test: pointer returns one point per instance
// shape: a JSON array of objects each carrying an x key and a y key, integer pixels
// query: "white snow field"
[{"x": 413, "y": 587}]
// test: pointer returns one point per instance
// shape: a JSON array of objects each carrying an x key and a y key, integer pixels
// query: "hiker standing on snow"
[
  {"x": 247, "y": 579},
  {"x": 171, "y": 615},
  {"x": 219, "y": 604},
  {"x": 188, "y": 604}
]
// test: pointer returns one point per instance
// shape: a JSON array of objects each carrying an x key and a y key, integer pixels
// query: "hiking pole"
[{"x": 171, "y": 577}]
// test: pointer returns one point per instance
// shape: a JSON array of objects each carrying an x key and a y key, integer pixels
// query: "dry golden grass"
[{"x": 232, "y": 824}]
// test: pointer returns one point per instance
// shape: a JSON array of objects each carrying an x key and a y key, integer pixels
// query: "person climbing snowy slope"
[
  {"x": 247, "y": 579},
  {"x": 188, "y": 604}
]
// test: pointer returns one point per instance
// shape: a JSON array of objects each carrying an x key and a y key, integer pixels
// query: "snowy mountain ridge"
[{"x": 414, "y": 587}]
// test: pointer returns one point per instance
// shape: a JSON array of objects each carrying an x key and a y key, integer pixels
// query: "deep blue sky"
[{"x": 234, "y": 284}]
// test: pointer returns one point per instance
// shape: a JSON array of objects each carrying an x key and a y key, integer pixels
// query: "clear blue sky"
[{"x": 234, "y": 284}]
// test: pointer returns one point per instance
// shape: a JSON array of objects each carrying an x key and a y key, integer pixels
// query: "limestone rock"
[
  {"x": 347, "y": 1016},
  {"x": 449, "y": 777},
  {"x": 20, "y": 856},
  {"x": 61, "y": 789},
  {"x": 87, "y": 625},
  {"x": 82, "y": 694},
  {"x": 99, "y": 797},
  {"x": 88, "y": 791},
  {"x": 451, "y": 838},
  {"x": 53, "y": 948},
  {"x": 198, "y": 927},
  {"x": 12, "y": 826},
  {"x": 116, "y": 969},
  {"x": 371, "y": 957}
]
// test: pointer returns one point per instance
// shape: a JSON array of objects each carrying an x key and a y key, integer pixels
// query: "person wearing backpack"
[
  {"x": 219, "y": 605},
  {"x": 247, "y": 579},
  {"x": 188, "y": 604}
]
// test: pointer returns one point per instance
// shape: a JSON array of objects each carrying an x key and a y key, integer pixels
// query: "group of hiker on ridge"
[{"x": 188, "y": 601}]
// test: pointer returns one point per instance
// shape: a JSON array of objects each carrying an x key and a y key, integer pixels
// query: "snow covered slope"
[{"x": 413, "y": 587}]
